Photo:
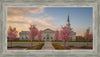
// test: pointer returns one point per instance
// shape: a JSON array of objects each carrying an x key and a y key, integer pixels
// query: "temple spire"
[
  {"x": 68, "y": 17},
  {"x": 68, "y": 21}
]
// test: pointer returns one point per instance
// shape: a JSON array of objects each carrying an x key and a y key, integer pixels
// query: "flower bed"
[
  {"x": 36, "y": 47},
  {"x": 58, "y": 46}
]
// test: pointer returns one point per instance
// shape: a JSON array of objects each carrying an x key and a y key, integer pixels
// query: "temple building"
[{"x": 47, "y": 34}]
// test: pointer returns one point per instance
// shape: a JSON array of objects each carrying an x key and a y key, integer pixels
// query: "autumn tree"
[
  {"x": 12, "y": 34},
  {"x": 65, "y": 34},
  {"x": 39, "y": 35},
  {"x": 56, "y": 36},
  {"x": 33, "y": 32}
]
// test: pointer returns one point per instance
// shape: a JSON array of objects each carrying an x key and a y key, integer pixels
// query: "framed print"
[{"x": 49, "y": 28}]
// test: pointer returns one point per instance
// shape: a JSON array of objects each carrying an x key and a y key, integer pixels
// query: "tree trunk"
[
  {"x": 65, "y": 44},
  {"x": 11, "y": 43},
  {"x": 31, "y": 43},
  {"x": 87, "y": 42}
]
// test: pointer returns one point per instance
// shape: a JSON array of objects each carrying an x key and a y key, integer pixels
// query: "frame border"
[{"x": 3, "y": 31}]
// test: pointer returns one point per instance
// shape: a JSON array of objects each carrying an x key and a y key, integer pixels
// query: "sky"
[{"x": 81, "y": 18}]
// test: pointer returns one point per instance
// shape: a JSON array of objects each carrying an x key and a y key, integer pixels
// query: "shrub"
[
  {"x": 71, "y": 46},
  {"x": 36, "y": 47},
  {"x": 18, "y": 47},
  {"x": 58, "y": 46},
  {"x": 25, "y": 41},
  {"x": 57, "y": 41},
  {"x": 79, "y": 41},
  {"x": 84, "y": 47}
]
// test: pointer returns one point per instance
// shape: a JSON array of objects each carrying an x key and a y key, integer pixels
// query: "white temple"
[{"x": 47, "y": 34}]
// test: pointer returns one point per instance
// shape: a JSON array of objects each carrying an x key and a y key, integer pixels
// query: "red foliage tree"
[
  {"x": 56, "y": 36},
  {"x": 33, "y": 32},
  {"x": 12, "y": 34},
  {"x": 65, "y": 34},
  {"x": 39, "y": 36}
]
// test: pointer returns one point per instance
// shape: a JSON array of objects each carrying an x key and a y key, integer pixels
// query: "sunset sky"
[{"x": 50, "y": 17}]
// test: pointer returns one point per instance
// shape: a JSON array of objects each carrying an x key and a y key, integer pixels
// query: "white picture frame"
[{"x": 49, "y": 53}]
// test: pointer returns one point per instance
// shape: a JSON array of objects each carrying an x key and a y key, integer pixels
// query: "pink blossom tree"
[
  {"x": 33, "y": 32},
  {"x": 39, "y": 35},
  {"x": 88, "y": 36},
  {"x": 91, "y": 36},
  {"x": 56, "y": 36},
  {"x": 12, "y": 34},
  {"x": 65, "y": 34}
]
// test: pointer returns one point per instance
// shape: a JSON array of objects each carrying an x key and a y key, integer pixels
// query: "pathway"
[{"x": 48, "y": 46}]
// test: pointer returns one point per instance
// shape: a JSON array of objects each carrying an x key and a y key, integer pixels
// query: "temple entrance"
[{"x": 48, "y": 38}]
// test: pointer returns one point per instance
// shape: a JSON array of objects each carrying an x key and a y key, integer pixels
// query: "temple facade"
[{"x": 47, "y": 34}]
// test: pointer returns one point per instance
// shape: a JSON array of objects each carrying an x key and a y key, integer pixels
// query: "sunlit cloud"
[
  {"x": 17, "y": 17},
  {"x": 24, "y": 11}
]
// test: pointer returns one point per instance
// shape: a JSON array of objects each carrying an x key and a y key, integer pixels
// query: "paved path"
[{"x": 48, "y": 46}]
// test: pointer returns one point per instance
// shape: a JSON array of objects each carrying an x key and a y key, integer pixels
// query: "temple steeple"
[{"x": 68, "y": 21}]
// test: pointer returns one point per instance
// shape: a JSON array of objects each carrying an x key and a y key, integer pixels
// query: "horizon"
[{"x": 81, "y": 18}]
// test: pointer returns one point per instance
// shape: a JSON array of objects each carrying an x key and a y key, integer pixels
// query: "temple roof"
[{"x": 48, "y": 29}]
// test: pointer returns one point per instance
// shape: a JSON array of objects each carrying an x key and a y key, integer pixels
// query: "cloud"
[
  {"x": 15, "y": 22},
  {"x": 46, "y": 22},
  {"x": 18, "y": 17},
  {"x": 24, "y": 11},
  {"x": 41, "y": 23}
]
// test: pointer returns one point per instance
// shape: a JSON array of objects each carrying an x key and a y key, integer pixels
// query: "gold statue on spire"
[{"x": 68, "y": 13}]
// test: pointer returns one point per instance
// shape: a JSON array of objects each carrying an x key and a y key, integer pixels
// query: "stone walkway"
[{"x": 48, "y": 46}]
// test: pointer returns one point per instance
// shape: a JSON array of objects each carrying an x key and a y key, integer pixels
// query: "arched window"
[
  {"x": 22, "y": 38},
  {"x": 47, "y": 36},
  {"x": 26, "y": 37},
  {"x": 44, "y": 38},
  {"x": 51, "y": 37}
]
